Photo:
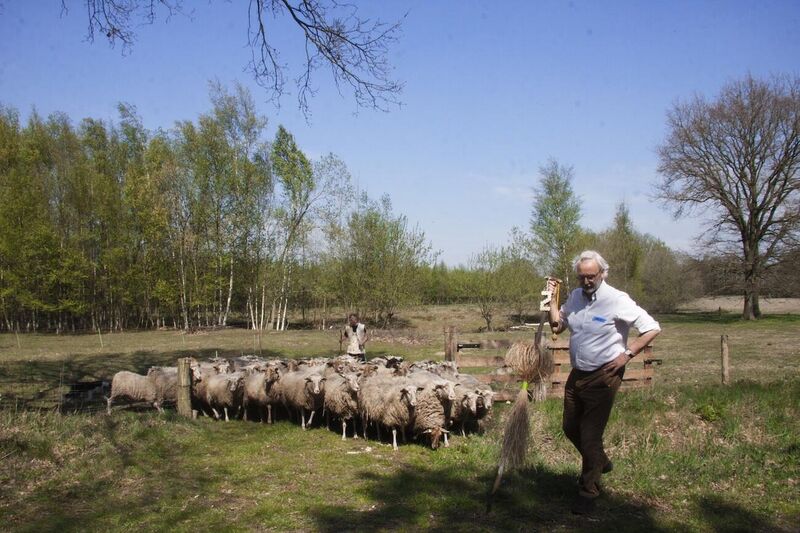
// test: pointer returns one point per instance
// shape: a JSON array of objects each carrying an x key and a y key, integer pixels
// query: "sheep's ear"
[
  {"x": 308, "y": 380},
  {"x": 420, "y": 389},
  {"x": 323, "y": 379}
]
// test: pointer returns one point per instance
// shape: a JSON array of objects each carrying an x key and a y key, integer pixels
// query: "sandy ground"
[{"x": 734, "y": 304}]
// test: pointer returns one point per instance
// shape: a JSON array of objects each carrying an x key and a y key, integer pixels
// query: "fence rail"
[{"x": 639, "y": 373}]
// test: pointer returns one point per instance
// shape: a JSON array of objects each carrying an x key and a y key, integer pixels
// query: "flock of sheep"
[{"x": 425, "y": 399}]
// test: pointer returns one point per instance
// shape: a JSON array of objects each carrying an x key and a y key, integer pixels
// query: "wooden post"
[
  {"x": 450, "y": 343},
  {"x": 726, "y": 376},
  {"x": 184, "y": 387}
]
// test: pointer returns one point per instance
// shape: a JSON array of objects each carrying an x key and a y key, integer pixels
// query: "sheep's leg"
[
  {"x": 344, "y": 429},
  {"x": 463, "y": 424},
  {"x": 328, "y": 420},
  {"x": 269, "y": 413},
  {"x": 244, "y": 413},
  {"x": 226, "y": 414},
  {"x": 108, "y": 401},
  {"x": 355, "y": 429},
  {"x": 394, "y": 439},
  {"x": 446, "y": 444},
  {"x": 378, "y": 427},
  {"x": 216, "y": 413},
  {"x": 364, "y": 426},
  {"x": 310, "y": 418},
  {"x": 303, "y": 418}
]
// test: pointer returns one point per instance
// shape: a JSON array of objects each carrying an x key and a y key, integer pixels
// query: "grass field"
[{"x": 689, "y": 454}]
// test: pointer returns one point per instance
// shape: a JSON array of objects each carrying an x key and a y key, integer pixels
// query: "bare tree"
[
  {"x": 355, "y": 48},
  {"x": 736, "y": 158}
]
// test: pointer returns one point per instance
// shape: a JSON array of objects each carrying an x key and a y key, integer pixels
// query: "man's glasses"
[{"x": 588, "y": 277}]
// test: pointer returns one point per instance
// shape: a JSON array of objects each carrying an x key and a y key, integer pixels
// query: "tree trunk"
[{"x": 230, "y": 294}]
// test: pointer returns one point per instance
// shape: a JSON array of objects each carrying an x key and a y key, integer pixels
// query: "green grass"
[
  {"x": 689, "y": 454},
  {"x": 673, "y": 470}
]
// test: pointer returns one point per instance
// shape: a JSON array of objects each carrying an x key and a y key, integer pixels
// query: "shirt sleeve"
[{"x": 635, "y": 316}]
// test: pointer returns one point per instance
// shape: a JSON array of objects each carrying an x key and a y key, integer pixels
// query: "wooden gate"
[{"x": 490, "y": 367}]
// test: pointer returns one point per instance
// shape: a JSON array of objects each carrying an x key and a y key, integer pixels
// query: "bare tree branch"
[{"x": 355, "y": 48}]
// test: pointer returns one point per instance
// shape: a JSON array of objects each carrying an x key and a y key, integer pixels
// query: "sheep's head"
[
  {"x": 470, "y": 402},
  {"x": 273, "y": 374},
  {"x": 436, "y": 436},
  {"x": 315, "y": 384},
  {"x": 409, "y": 394},
  {"x": 222, "y": 367},
  {"x": 234, "y": 383},
  {"x": 445, "y": 390},
  {"x": 352, "y": 382},
  {"x": 485, "y": 399}
]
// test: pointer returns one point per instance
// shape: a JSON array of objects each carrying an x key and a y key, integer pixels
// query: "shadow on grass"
[
  {"x": 723, "y": 516},
  {"x": 454, "y": 499},
  {"x": 156, "y": 492}
]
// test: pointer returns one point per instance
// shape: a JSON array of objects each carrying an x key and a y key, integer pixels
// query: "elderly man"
[{"x": 598, "y": 317}]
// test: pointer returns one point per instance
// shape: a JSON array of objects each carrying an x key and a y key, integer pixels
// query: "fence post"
[
  {"x": 184, "y": 387},
  {"x": 726, "y": 377},
  {"x": 450, "y": 344}
]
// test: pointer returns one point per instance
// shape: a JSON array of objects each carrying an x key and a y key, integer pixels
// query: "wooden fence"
[{"x": 638, "y": 373}]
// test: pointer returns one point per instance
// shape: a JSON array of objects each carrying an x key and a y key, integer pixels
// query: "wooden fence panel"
[{"x": 639, "y": 373}]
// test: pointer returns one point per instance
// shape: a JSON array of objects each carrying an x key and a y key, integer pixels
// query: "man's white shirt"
[{"x": 599, "y": 325}]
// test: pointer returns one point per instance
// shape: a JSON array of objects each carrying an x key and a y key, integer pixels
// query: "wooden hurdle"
[{"x": 638, "y": 374}]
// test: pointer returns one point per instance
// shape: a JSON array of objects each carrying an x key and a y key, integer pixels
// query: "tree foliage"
[{"x": 554, "y": 225}]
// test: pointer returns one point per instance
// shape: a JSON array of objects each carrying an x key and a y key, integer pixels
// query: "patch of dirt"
[{"x": 733, "y": 304}]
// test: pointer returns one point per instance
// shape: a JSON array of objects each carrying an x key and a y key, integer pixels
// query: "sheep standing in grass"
[
  {"x": 201, "y": 372},
  {"x": 165, "y": 381},
  {"x": 304, "y": 390},
  {"x": 465, "y": 407},
  {"x": 133, "y": 387},
  {"x": 257, "y": 388},
  {"x": 224, "y": 392},
  {"x": 433, "y": 411},
  {"x": 341, "y": 400},
  {"x": 387, "y": 401},
  {"x": 485, "y": 399}
]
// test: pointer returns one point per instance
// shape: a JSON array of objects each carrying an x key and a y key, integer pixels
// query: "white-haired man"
[{"x": 599, "y": 318}]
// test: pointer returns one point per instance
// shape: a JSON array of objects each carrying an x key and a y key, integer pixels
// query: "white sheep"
[
  {"x": 134, "y": 387},
  {"x": 465, "y": 407},
  {"x": 432, "y": 413},
  {"x": 225, "y": 392},
  {"x": 201, "y": 372},
  {"x": 389, "y": 402},
  {"x": 258, "y": 387},
  {"x": 341, "y": 400},
  {"x": 304, "y": 390},
  {"x": 165, "y": 381}
]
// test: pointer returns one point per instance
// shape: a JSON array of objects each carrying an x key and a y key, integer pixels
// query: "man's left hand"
[{"x": 613, "y": 366}]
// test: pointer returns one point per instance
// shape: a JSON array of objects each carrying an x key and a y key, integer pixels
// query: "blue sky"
[{"x": 492, "y": 90}]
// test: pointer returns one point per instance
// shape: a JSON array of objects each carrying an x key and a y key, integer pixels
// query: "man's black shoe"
[
  {"x": 609, "y": 467},
  {"x": 583, "y": 505}
]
